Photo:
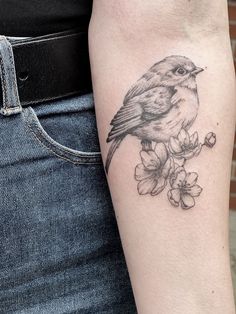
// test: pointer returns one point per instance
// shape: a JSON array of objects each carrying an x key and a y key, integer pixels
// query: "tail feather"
[{"x": 114, "y": 145}]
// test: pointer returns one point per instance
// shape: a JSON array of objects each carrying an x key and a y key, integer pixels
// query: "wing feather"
[{"x": 150, "y": 105}]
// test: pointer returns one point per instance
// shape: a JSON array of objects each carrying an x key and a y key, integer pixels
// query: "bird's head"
[{"x": 177, "y": 71}]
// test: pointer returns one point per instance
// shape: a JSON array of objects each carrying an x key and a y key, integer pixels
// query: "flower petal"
[
  {"x": 184, "y": 155},
  {"x": 194, "y": 190},
  {"x": 198, "y": 150},
  {"x": 146, "y": 186},
  {"x": 172, "y": 166},
  {"x": 188, "y": 154},
  {"x": 166, "y": 169},
  {"x": 175, "y": 145},
  {"x": 187, "y": 201},
  {"x": 178, "y": 177},
  {"x": 150, "y": 160},
  {"x": 161, "y": 152},
  {"x": 174, "y": 197},
  {"x": 194, "y": 139},
  {"x": 183, "y": 137},
  {"x": 142, "y": 173},
  {"x": 161, "y": 183},
  {"x": 191, "y": 179}
]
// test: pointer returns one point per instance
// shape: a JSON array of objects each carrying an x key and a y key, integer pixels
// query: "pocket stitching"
[{"x": 85, "y": 158}]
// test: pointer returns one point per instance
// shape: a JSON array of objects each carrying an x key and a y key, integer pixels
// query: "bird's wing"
[
  {"x": 157, "y": 101},
  {"x": 148, "y": 81},
  {"x": 129, "y": 116},
  {"x": 151, "y": 105}
]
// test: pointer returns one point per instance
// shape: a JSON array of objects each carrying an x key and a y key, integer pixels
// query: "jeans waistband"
[{"x": 38, "y": 69}]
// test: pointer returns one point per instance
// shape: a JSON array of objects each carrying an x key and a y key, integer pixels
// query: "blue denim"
[{"x": 60, "y": 246}]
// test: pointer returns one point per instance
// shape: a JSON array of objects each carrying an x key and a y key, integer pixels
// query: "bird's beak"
[{"x": 197, "y": 70}]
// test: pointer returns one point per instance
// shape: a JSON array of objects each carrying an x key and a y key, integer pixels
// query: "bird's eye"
[{"x": 180, "y": 71}]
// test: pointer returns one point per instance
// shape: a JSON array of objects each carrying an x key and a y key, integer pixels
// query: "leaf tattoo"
[{"x": 159, "y": 110}]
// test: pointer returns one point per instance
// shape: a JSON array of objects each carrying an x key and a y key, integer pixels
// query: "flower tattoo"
[
  {"x": 159, "y": 109},
  {"x": 183, "y": 188},
  {"x": 154, "y": 170},
  {"x": 185, "y": 146}
]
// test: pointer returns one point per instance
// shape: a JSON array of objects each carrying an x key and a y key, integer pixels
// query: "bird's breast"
[{"x": 181, "y": 115}]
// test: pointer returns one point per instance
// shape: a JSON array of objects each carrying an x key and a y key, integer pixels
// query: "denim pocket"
[{"x": 66, "y": 130}]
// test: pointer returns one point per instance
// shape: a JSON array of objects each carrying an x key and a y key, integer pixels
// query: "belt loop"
[{"x": 10, "y": 96}]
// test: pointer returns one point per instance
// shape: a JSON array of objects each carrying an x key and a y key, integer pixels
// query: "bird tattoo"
[
  {"x": 158, "y": 106},
  {"x": 159, "y": 110}
]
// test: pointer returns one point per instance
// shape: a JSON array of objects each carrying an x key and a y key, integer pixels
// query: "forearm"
[{"x": 178, "y": 259}]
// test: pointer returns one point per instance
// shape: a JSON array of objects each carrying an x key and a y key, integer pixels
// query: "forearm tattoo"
[{"x": 159, "y": 110}]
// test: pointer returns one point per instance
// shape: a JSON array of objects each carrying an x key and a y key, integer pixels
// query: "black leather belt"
[{"x": 52, "y": 66}]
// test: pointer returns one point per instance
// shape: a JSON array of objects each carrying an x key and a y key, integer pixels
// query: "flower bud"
[{"x": 210, "y": 139}]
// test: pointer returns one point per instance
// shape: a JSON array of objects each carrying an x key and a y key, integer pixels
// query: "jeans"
[{"x": 59, "y": 242}]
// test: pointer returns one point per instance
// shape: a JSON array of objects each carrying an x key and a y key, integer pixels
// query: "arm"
[{"x": 174, "y": 235}]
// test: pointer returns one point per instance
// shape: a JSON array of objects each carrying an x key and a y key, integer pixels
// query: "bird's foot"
[{"x": 146, "y": 145}]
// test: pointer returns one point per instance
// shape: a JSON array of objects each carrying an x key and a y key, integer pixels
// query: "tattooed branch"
[{"x": 159, "y": 110}]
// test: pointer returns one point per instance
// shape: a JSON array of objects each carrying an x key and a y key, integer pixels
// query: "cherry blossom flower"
[
  {"x": 184, "y": 188},
  {"x": 154, "y": 170},
  {"x": 185, "y": 146}
]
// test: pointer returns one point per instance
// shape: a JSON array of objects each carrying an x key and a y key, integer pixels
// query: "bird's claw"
[{"x": 146, "y": 145}]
